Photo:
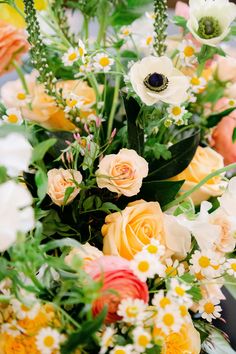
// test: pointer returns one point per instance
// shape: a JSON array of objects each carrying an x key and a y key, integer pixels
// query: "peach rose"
[
  {"x": 204, "y": 162},
  {"x": 226, "y": 242},
  {"x": 119, "y": 283},
  {"x": 221, "y": 138},
  {"x": 58, "y": 182},
  {"x": 44, "y": 110},
  {"x": 226, "y": 68},
  {"x": 122, "y": 173},
  {"x": 86, "y": 252},
  {"x": 127, "y": 232},
  {"x": 13, "y": 43}
]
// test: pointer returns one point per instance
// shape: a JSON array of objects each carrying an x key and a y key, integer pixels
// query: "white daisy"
[
  {"x": 197, "y": 84},
  {"x": 187, "y": 53},
  {"x": 132, "y": 310},
  {"x": 176, "y": 113},
  {"x": 147, "y": 41},
  {"x": 183, "y": 309},
  {"x": 209, "y": 309},
  {"x": 179, "y": 291},
  {"x": 231, "y": 102},
  {"x": 141, "y": 339},
  {"x": 11, "y": 328},
  {"x": 207, "y": 263},
  {"x": 107, "y": 339},
  {"x": 155, "y": 248},
  {"x": 172, "y": 268},
  {"x": 230, "y": 267},
  {"x": 125, "y": 32},
  {"x": 144, "y": 267},
  {"x": 23, "y": 311},
  {"x": 120, "y": 349},
  {"x": 155, "y": 79},
  {"x": 21, "y": 98},
  {"x": 48, "y": 340},
  {"x": 74, "y": 54},
  {"x": 160, "y": 300},
  {"x": 102, "y": 62},
  {"x": 150, "y": 15},
  {"x": 13, "y": 116},
  {"x": 73, "y": 101},
  {"x": 209, "y": 21},
  {"x": 169, "y": 319}
]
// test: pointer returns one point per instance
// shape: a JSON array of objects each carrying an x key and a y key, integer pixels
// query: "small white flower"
[
  {"x": 107, "y": 339},
  {"x": 144, "y": 266},
  {"x": 125, "y": 32},
  {"x": 21, "y": 98},
  {"x": 230, "y": 267},
  {"x": 29, "y": 309},
  {"x": 231, "y": 102},
  {"x": 16, "y": 153},
  {"x": 48, "y": 340},
  {"x": 132, "y": 310},
  {"x": 120, "y": 349},
  {"x": 74, "y": 54},
  {"x": 13, "y": 116},
  {"x": 176, "y": 112},
  {"x": 160, "y": 300},
  {"x": 179, "y": 291},
  {"x": 147, "y": 41},
  {"x": 183, "y": 309},
  {"x": 141, "y": 339},
  {"x": 16, "y": 214},
  {"x": 197, "y": 84},
  {"x": 209, "y": 21},
  {"x": 155, "y": 79},
  {"x": 73, "y": 101},
  {"x": 155, "y": 248},
  {"x": 209, "y": 309},
  {"x": 169, "y": 319},
  {"x": 150, "y": 15},
  {"x": 172, "y": 268},
  {"x": 11, "y": 328},
  {"x": 102, "y": 62},
  {"x": 188, "y": 53},
  {"x": 207, "y": 263}
]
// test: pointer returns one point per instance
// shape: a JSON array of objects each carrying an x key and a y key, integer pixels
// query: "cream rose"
[
  {"x": 59, "y": 180},
  {"x": 86, "y": 252},
  {"x": 127, "y": 232},
  {"x": 122, "y": 173},
  {"x": 205, "y": 161}
]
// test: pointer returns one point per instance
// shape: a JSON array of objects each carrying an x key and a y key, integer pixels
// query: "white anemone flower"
[
  {"x": 16, "y": 214},
  {"x": 16, "y": 154},
  {"x": 155, "y": 79},
  {"x": 210, "y": 20}
]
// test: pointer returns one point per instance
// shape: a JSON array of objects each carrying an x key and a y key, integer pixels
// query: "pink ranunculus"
[
  {"x": 182, "y": 9},
  {"x": 119, "y": 283},
  {"x": 13, "y": 43},
  {"x": 221, "y": 139}
]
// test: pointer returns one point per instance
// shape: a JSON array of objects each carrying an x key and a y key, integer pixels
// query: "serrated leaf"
[
  {"x": 41, "y": 149},
  {"x": 214, "y": 119}
]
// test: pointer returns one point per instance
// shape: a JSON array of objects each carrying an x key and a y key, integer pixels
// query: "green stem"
[
  {"x": 201, "y": 183},
  {"x": 86, "y": 27},
  {"x": 114, "y": 106},
  {"x": 21, "y": 76}
]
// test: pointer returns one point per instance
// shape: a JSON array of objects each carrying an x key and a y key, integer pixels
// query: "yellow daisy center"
[
  {"x": 179, "y": 291},
  {"x": 183, "y": 310},
  {"x": 195, "y": 81},
  {"x": 189, "y": 51},
  {"x": 143, "y": 340},
  {"x": 24, "y": 308},
  {"x": 104, "y": 61},
  {"x": 176, "y": 111},
  {"x": 119, "y": 351},
  {"x": 204, "y": 262},
  {"x": 48, "y": 341},
  {"x": 149, "y": 40},
  {"x": 143, "y": 266},
  {"x": 209, "y": 308},
  {"x": 168, "y": 319},
  {"x": 126, "y": 32},
  {"x": 71, "y": 103},
  {"x": 231, "y": 103},
  {"x": 108, "y": 342},
  {"x": 199, "y": 276},
  {"x": 132, "y": 311},
  {"x": 152, "y": 249},
  {"x": 81, "y": 51},
  {"x": 171, "y": 271},
  {"x": 21, "y": 96},
  {"x": 164, "y": 302},
  {"x": 72, "y": 56},
  {"x": 233, "y": 266},
  {"x": 12, "y": 118}
]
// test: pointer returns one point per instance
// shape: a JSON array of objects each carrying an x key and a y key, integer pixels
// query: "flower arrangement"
[{"x": 118, "y": 195}]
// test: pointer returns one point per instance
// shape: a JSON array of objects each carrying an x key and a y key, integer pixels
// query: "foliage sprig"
[{"x": 160, "y": 26}]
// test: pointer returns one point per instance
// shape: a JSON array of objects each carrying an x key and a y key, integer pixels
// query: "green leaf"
[
  {"x": 231, "y": 286},
  {"x": 128, "y": 11},
  {"x": 135, "y": 133},
  {"x": 208, "y": 52},
  {"x": 88, "y": 203},
  {"x": 68, "y": 192},
  {"x": 162, "y": 191},
  {"x": 107, "y": 207},
  {"x": 182, "y": 154},
  {"x": 41, "y": 181},
  {"x": 156, "y": 349},
  {"x": 214, "y": 119},
  {"x": 41, "y": 149},
  {"x": 65, "y": 242},
  {"x": 234, "y": 136},
  {"x": 195, "y": 291},
  {"x": 84, "y": 333},
  {"x": 233, "y": 30},
  {"x": 217, "y": 344},
  {"x": 3, "y": 174},
  {"x": 180, "y": 21}
]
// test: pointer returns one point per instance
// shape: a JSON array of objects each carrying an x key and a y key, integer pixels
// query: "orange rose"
[
  {"x": 86, "y": 252},
  {"x": 13, "y": 43},
  {"x": 127, "y": 232},
  {"x": 59, "y": 180},
  {"x": 122, "y": 173},
  {"x": 205, "y": 161}
]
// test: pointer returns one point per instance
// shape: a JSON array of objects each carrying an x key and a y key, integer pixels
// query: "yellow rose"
[
  {"x": 205, "y": 161},
  {"x": 122, "y": 173},
  {"x": 127, "y": 232},
  {"x": 59, "y": 180},
  {"x": 86, "y": 252}
]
